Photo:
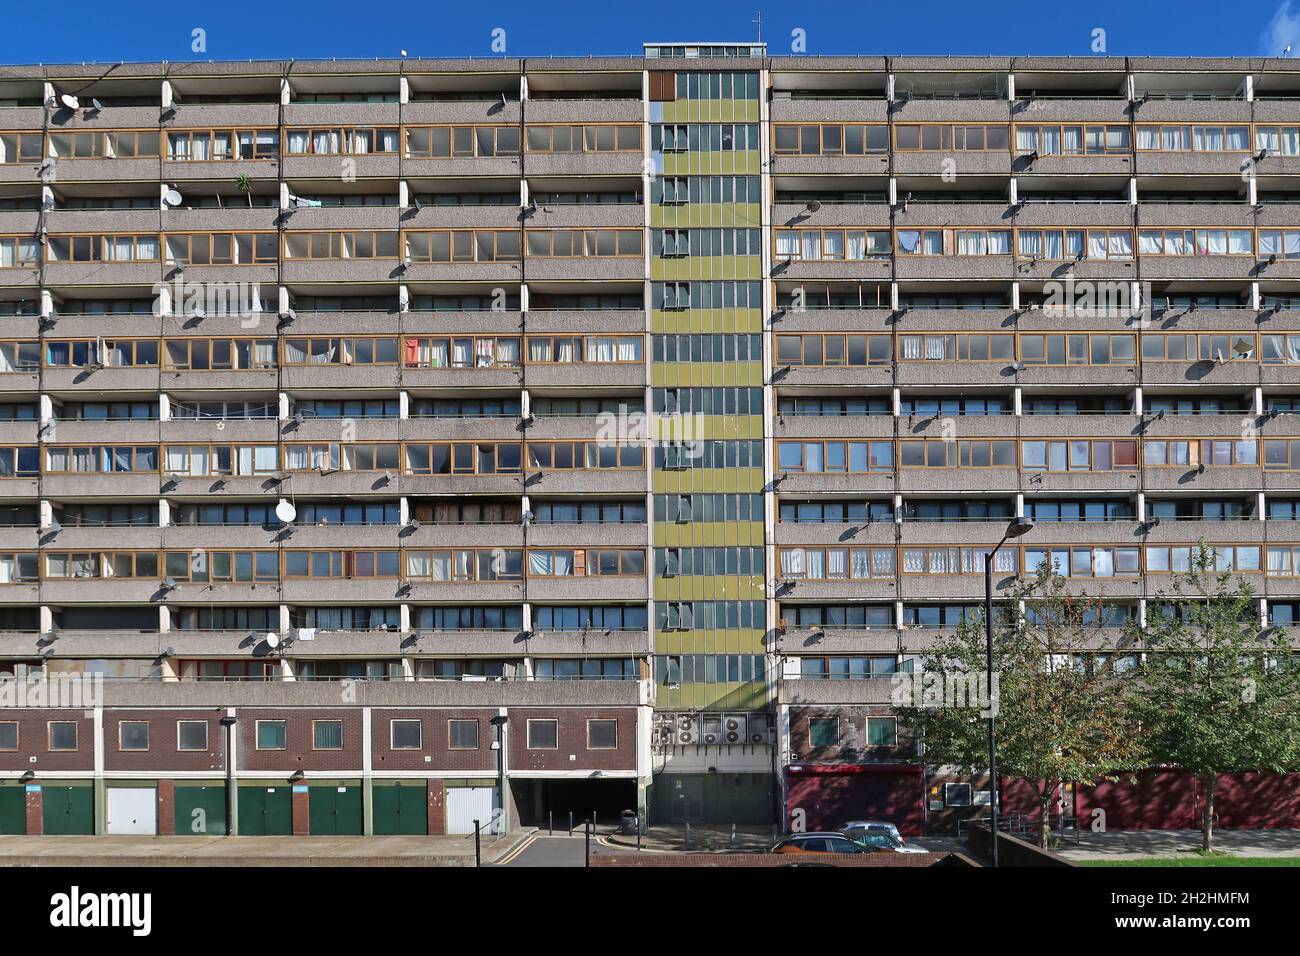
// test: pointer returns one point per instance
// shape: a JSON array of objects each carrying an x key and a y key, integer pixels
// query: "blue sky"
[{"x": 52, "y": 31}]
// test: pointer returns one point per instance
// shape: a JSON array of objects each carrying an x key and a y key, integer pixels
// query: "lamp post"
[{"x": 1017, "y": 528}]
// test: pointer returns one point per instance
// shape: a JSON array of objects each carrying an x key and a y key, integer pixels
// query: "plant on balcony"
[
  {"x": 1062, "y": 707},
  {"x": 1218, "y": 694},
  {"x": 244, "y": 183}
]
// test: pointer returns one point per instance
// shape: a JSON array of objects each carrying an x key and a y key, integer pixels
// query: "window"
[
  {"x": 463, "y": 734},
  {"x": 62, "y": 734},
  {"x": 543, "y": 735},
  {"x": 271, "y": 735},
  {"x": 602, "y": 734},
  {"x": 191, "y": 735},
  {"x": 406, "y": 734},
  {"x": 9, "y": 735},
  {"x": 327, "y": 734},
  {"x": 882, "y": 731},
  {"x": 133, "y": 735},
  {"x": 823, "y": 731},
  {"x": 956, "y": 795}
]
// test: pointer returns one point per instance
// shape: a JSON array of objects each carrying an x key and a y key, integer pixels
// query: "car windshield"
[{"x": 874, "y": 839}]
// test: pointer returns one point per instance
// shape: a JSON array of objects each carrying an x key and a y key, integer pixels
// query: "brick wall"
[
  {"x": 435, "y": 740},
  {"x": 572, "y": 739},
  {"x": 163, "y": 754},
  {"x": 852, "y": 746},
  {"x": 437, "y": 807},
  {"x": 33, "y": 741},
  {"x": 299, "y": 753}
]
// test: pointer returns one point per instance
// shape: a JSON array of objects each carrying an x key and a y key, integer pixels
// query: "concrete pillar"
[
  {"x": 101, "y": 799},
  {"x": 1142, "y": 506},
  {"x": 367, "y": 772},
  {"x": 1139, "y": 403},
  {"x": 403, "y": 404}
]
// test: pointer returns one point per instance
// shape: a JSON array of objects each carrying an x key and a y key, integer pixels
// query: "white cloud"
[{"x": 1282, "y": 31}]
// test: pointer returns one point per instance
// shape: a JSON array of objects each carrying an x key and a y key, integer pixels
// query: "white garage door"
[
  {"x": 132, "y": 810},
  {"x": 467, "y": 804}
]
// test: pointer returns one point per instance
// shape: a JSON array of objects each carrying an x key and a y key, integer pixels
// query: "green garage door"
[
  {"x": 401, "y": 808},
  {"x": 335, "y": 809},
  {"x": 265, "y": 811},
  {"x": 201, "y": 810},
  {"x": 68, "y": 810},
  {"x": 13, "y": 810}
]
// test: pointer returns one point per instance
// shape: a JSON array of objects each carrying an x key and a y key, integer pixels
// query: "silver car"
[{"x": 859, "y": 829}]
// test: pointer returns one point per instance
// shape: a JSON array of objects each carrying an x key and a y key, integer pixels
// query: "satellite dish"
[
  {"x": 98, "y": 106},
  {"x": 70, "y": 101},
  {"x": 169, "y": 651},
  {"x": 272, "y": 639},
  {"x": 199, "y": 312},
  {"x": 172, "y": 197},
  {"x": 285, "y": 511}
]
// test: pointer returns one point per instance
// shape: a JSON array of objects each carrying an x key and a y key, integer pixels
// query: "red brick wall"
[
  {"x": 298, "y": 753},
  {"x": 572, "y": 740},
  {"x": 33, "y": 741},
  {"x": 852, "y": 746},
  {"x": 163, "y": 755},
  {"x": 166, "y": 808},
  {"x": 437, "y": 807},
  {"x": 35, "y": 818},
  {"x": 302, "y": 810},
  {"x": 435, "y": 738}
]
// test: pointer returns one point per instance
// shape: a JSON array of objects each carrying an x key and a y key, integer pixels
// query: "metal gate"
[
  {"x": 132, "y": 810},
  {"x": 67, "y": 811},
  {"x": 265, "y": 811},
  {"x": 467, "y": 804}
]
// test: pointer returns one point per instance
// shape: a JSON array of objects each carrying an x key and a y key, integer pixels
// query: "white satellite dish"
[
  {"x": 199, "y": 312},
  {"x": 70, "y": 101},
  {"x": 285, "y": 511},
  {"x": 172, "y": 197},
  {"x": 272, "y": 639}
]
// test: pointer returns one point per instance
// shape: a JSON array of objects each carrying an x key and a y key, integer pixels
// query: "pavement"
[
  {"x": 254, "y": 850},
  {"x": 1140, "y": 844}
]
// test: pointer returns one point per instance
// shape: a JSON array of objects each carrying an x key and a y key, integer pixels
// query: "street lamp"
[{"x": 1018, "y": 527}]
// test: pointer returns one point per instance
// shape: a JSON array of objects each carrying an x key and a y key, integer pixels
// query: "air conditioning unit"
[
  {"x": 686, "y": 729},
  {"x": 733, "y": 729},
  {"x": 665, "y": 730},
  {"x": 712, "y": 731},
  {"x": 760, "y": 729}
]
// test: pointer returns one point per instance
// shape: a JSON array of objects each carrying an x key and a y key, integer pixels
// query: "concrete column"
[
  {"x": 1133, "y": 191},
  {"x": 1259, "y": 400},
  {"x": 164, "y": 619},
  {"x": 404, "y": 90},
  {"x": 46, "y": 515},
  {"x": 283, "y": 401},
  {"x": 403, "y": 404},
  {"x": 46, "y": 615},
  {"x": 1020, "y": 505},
  {"x": 1142, "y": 506},
  {"x": 286, "y": 91},
  {"x": 164, "y": 407},
  {"x": 1017, "y": 403},
  {"x": 1260, "y": 506},
  {"x": 1255, "y": 298},
  {"x": 403, "y": 193},
  {"x": 1138, "y": 401},
  {"x": 898, "y": 509},
  {"x": 164, "y": 513},
  {"x": 101, "y": 808},
  {"x": 897, "y": 396},
  {"x": 367, "y": 772}
]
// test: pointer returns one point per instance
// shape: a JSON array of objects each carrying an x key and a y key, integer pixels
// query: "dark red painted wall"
[
  {"x": 1172, "y": 800},
  {"x": 832, "y": 796}
]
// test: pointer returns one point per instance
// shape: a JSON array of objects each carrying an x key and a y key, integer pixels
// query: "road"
[{"x": 566, "y": 850}]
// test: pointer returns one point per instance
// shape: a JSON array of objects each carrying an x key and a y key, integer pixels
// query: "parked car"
[
  {"x": 824, "y": 843},
  {"x": 874, "y": 826},
  {"x": 875, "y": 835}
]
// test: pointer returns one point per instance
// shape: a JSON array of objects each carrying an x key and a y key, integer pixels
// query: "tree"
[
  {"x": 1218, "y": 693},
  {"x": 1062, "y": 709}
]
